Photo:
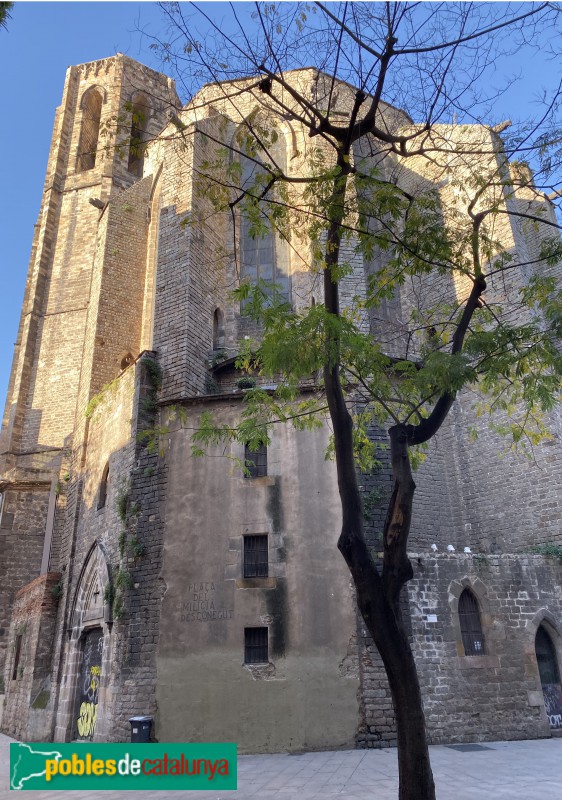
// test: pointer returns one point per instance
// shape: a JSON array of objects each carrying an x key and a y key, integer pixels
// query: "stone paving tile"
[{"x": 508, "y": 771}]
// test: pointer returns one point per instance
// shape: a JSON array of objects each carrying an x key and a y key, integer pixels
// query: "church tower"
[{"x": 77, "y": 329}]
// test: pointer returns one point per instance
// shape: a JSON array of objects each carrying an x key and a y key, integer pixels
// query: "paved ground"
[{"x": 503, "y": 771}]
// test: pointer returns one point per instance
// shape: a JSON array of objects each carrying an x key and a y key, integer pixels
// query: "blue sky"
[{"x": 42, "y": 40}]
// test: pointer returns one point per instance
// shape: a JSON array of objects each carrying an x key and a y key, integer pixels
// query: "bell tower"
[{"x": 109, "y": 110}]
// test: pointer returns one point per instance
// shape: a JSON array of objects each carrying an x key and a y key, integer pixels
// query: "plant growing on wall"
[
  {"x": 371, "y": 184},
  {"x": 114, "y": 592},
  {"x": 57, "y": 590}
]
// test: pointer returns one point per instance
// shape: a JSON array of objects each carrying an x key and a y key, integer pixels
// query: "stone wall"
[
  {"x": 22, "y": 531},
  {"x": 82, "y": 315},
  {"x": 133, "y": 675},
  {"x": 29, "y": 698},
  {"x": 507, "y": 500},
  {"x": 496, "y": 695},
  {"x": 111, "y": 442}
]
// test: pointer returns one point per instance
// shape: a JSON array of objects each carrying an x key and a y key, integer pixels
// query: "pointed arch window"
[
  {"x": 263, "y": 252},
  {"x": 218, "y": 329},
  {"x": 546, "y": 658},
  {"x": 140, "y": 115},
  {"x": 102, "y": 495},
  {"x": 471, "y": 625},
  {"x": 90, "y": 129}
]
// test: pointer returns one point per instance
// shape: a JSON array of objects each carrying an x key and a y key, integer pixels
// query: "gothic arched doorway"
[
  {"x": 88, "y": 685},
  {"x": 550, "y": 677}
]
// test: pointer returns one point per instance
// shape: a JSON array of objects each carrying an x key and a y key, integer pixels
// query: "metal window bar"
[
  {"x": 255, "y": 646},
  {"x": 255, "y": 557},
  {"x": 256, "y": 462},
  {"x": 471, "y": 627}
]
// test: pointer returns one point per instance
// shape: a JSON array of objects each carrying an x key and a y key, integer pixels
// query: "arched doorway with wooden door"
[{"x": 549, "y": 672}]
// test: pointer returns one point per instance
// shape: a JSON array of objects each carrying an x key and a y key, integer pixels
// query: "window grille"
[
  {"x": 546, "y": 658},
  {"x": 255, "y": 646},
  {"x": 471, "y": 627},
  {"x": 255, "y": 461},
  {"x": 255, "y": 556}
]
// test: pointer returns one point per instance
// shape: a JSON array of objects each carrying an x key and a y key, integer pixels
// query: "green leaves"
[{"x": 418, "y": 250}]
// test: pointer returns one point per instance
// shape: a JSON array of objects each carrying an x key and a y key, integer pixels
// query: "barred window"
[
  {"x": 471, "y": 626},
  {"x": 255, "y": 556},
  {"x": 89, "y": 132},
  {"x": 255, "y": 646},
  {"x": 255, "y": 461}
]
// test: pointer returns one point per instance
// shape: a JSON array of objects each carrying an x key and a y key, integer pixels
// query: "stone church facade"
[{"x": 142, "y": 580}]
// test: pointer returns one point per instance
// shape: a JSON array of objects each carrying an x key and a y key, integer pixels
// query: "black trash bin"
[{"x": 140, "y": 729}]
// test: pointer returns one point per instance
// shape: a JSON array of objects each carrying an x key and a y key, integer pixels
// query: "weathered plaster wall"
[{"x": 306, "y": 696}]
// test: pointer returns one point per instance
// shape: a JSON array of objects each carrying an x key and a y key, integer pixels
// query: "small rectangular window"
[
  {"x": 255, "y": 646},
  {"x": 255, "y": 556},
  {"x": 255, "y": 462},
  {"x": 17, "y": 656}
]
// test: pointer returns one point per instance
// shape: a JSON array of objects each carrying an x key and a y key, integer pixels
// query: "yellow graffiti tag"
[{"x": 87, "y": 719}]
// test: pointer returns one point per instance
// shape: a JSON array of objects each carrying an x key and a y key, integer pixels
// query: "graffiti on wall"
[
  {"x": 552, "y": 693},
  {"x": 90, "y": 675}
]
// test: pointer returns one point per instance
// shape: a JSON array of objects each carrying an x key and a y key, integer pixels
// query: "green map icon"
[{"x": 28, "y": 765}]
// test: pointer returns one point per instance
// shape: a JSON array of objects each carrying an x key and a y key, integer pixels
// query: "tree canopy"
[{"x": 5, "y": 14}]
